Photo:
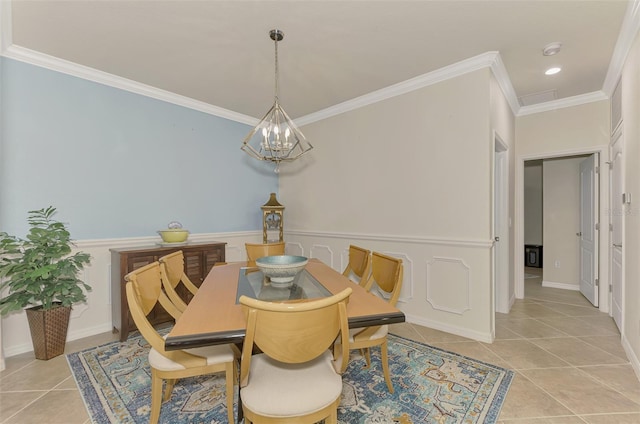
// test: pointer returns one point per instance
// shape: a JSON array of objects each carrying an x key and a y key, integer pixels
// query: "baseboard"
[
  {"x": 458, "y": 331},
  {"x": 631, "y": 355},
  {"x": 87, "y": 332},
  {"x": 71, "y": 335},
  {"x": 563, "y": 286}
]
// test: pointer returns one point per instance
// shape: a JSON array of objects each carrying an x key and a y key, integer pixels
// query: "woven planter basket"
[{"x": 48, "y": 330}]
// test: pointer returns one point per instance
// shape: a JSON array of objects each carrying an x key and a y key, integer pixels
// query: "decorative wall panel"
[
  {"x": 294, "y": 249},
  {"x": 448, "y": 285},
  {"x": 322, "y": 252}
]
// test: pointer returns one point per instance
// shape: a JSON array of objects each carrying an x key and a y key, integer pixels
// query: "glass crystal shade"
[{"x": 276, "y": 138}]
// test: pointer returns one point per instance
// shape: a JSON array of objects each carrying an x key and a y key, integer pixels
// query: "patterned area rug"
[{"x": 431, "y": 386}]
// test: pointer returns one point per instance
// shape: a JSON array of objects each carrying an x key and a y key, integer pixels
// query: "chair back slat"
[
  {"x": 387, "y": 273},
  {"x": 359, "y": 264},
  {"x": 294, "y": 332},
  {"x": 296, "y": 337},
  {"x": 147, "y": 285},
  {"x": 173, "y": 267},
  {"x": 255, "y": 251}
]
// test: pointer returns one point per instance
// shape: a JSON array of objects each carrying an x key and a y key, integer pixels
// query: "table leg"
[{"x": 240, "y": 413}]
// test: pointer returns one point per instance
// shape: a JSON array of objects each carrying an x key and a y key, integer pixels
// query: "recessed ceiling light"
[
  {"x": 552, "y": 71},
  {"x": 551, "y": 49}
]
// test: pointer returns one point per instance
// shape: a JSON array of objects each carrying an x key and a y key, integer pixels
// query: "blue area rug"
[{"x": 431, "y": 386}]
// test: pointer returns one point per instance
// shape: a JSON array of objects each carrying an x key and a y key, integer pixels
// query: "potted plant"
[{"x": 40, "y": 274}]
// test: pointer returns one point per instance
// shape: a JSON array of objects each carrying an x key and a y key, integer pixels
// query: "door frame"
[
  {"x": 617, "y": 136},
  {"x": 500, "y": 224},
  {"x": 603, "y": 253}
]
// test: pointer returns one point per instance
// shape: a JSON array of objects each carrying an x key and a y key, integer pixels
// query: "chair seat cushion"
[
  {"x": 214, "y": 354},
  {"x": 380, "y": 334},
  {"x": 280, "y": 390}
]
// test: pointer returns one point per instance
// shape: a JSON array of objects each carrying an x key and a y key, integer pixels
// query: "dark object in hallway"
[{"x": 533, "y": 255}]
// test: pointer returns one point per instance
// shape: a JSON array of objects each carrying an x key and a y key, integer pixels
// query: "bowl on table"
[
  {"x": 281, "y": 269},
  {"x": 174, "y": 235}
]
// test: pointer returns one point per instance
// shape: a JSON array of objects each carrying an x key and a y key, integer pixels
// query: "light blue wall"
[{"x": 117, "y": 164}]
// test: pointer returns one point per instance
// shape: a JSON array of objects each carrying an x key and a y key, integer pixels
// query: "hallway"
[{"x": 570, "y": 367}]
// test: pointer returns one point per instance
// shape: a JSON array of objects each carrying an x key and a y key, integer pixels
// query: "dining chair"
[
  {"x": 258, "y": 250},
  {"x": 385, "y": 279},
  {"x": 359, "y": 264},
  {"x": 172, "y": 274},
  {"x": 144, "y": 291},
  {"x": 295, "y": 379}
]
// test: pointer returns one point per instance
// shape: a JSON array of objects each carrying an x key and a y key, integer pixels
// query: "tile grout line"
[
  {"x": 607, "y": 385},
  {"x": 577, "y": 338},
  {"x": 550, "y": 353},
  {"x": 28, "y": 404},
  {"x": 18, "y": 370}
]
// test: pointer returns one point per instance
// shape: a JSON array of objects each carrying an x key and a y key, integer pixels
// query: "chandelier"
[{"x": 276, "y": 138}]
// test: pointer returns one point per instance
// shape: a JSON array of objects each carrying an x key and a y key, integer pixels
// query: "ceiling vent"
[{"x": 535, "y": 98}]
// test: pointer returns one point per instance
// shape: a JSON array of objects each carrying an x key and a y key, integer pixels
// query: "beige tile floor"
[{"x": 569, "y": 366}]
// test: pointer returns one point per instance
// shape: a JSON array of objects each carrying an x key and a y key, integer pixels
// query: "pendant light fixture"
[{"x": 276, "y": 138}]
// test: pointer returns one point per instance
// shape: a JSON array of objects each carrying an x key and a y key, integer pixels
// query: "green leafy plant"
[{"x": 40, "y": 270}]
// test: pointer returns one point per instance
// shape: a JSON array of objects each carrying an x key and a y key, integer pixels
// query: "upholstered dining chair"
[
  {"x": 144, "y": 291},
  {"x": 255, "y": 250},
  {"x": 295, "y": 379},
  {"x": 385, "y": 279},
  {"x": 172, "y": 274},
  {"x": 359, "y": 264}
]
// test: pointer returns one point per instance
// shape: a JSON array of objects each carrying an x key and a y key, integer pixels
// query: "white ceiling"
[{"x": 220, "y": 53}]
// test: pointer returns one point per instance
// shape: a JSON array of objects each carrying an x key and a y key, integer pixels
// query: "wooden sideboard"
[{"x": 199, "y": 258}]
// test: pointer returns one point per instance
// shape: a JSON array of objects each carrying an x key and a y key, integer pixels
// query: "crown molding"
[
  {"x": 70, "y": 68},
  {"x": 460, "y": 68},
  {"x": 492, "y": 59},
  {"x": 502, "y": 76},
  {"x": 628, "y": 32},
  {"x": 594, "y": 96}
]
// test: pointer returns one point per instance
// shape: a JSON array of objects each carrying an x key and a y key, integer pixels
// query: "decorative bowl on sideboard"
[{"x": 174, "y": 235}]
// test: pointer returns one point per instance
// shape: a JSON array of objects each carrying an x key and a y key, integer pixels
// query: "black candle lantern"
[{"x": 272, "y": 221}]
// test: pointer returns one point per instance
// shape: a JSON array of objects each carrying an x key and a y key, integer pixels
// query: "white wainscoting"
[
  {"x": 94, "y": 316},
  {"x": 447, "y": 282}
]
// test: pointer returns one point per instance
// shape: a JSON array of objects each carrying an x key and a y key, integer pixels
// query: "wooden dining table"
[{"x": 214, "y": 315}]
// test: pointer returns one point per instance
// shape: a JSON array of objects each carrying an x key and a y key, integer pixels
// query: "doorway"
[{"x": 549, "y": 258}]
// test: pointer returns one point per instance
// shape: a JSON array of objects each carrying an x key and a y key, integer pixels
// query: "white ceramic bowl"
[
  {"x": 174, "y": 235},
  {"x": 281, "y": 269}
]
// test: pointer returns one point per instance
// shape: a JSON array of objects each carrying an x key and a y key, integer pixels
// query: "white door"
[
  {"x": 501, "y": 228},
  {"x": 617, "y": 221},
  {"x": 588, "y": 228}
]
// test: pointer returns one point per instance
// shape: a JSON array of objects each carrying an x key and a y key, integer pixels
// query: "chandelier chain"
[{"x": 276, "y": 65}]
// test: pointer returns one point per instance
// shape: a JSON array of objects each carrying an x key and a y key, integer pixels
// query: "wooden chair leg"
[
  {"x": 156, "y": 397},
  {"x": 230, "y": 376},
  {"x": 367, "y": 356},
  {"x": 333, "y": 418},
  {"x": 168, "y": 389},
  {"x": 385, "y": 365}
]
